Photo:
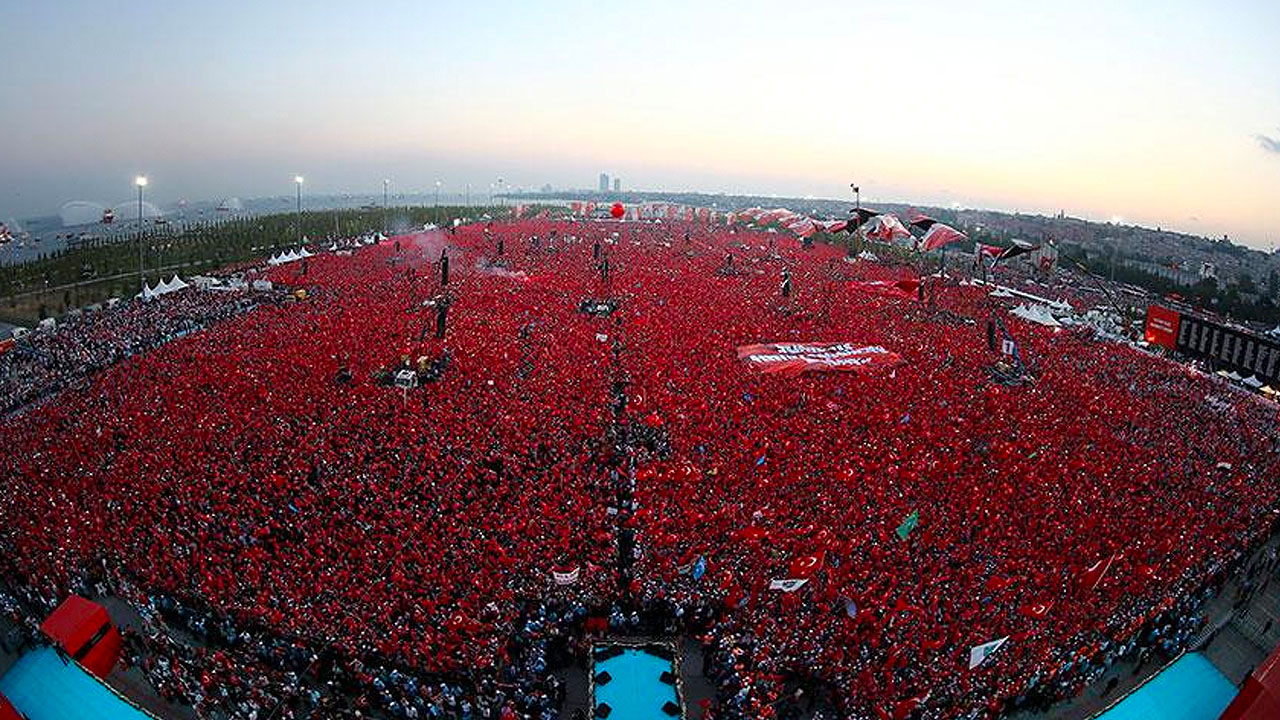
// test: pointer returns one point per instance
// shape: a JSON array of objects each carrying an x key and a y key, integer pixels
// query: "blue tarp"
[
  {"x": 44, "y": 686},
  {"x": 636, "y": 691},
  {"x": 1190, "y": 689}
]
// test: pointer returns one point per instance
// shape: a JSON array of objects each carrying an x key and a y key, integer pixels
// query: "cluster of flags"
[
  {"x": 652, "y": 211},
  {"x": 803, "y": 568},
  {"x": 881, "y": 227},
  {"x": 1019, "y": 247},
  {"x": 802, "y": 225}
]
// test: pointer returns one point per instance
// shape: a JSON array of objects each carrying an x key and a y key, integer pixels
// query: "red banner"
[
  {"x": 795, "y": 358},
  {"x": 1162, "y": 326},
  {"x": 906, "y": 289}
]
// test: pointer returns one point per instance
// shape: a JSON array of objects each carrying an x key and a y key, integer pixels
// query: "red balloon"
[{"x": 617, "y": 211}]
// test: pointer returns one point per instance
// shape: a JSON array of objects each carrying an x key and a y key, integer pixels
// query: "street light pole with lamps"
[
  {"x": 141, "y": 182},
  {"x": 297, "y": 179},
  {"x": 437, "y": 193}
]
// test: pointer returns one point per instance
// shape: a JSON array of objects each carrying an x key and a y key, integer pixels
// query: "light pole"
[
  {"x": 468, "y": 198},
  {"x": 385, "y": 183},
  {"x": 297, "y": 179},
  {"x": 437, "y": 193},
  {"x": 141, "y": 182},
  {"x": 857, "y": 216}
]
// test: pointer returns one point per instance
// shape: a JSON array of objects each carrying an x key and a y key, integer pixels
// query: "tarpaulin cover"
[{"x": 84, "y": 630}]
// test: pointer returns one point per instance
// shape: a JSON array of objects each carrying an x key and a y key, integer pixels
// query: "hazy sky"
[{"x": 1163, "y": 113}]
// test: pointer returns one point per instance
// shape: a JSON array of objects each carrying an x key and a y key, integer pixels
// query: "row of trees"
[{"x": 74, "y": 276}]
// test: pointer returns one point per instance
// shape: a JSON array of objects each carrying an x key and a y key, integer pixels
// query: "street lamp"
[
  {"x": 141, "y": 182},
  {"x": 297, "y": 179},
  {"x": 437, "y": 193}
]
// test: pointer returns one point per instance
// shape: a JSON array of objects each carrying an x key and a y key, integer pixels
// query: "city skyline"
[{"x": 1166, "y": 117}]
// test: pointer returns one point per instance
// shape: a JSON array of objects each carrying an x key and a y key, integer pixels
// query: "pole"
[
  {"x": 299, "y": 213},
  {"x": 141, "y": 278}
]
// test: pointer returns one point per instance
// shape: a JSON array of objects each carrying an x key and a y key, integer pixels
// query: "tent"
[
  {"x": 1038, "y": 314},
  {"x": 164, "y": 287},
  {"x": 84, "y": 631},
  {"x": 1253, "y": 382},
  {"x": 47, "y": 685},
  {"x": 1259, "y": 696},
  {"x": 6, "y": 710}
]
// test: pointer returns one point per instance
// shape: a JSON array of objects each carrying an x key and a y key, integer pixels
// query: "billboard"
[{"x": 1162, "y": 326}]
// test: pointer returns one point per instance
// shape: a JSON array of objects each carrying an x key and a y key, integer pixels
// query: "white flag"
[
  {"x": 788, "y": 585},
  {"x": 563, "y": 578},
  {"x": 979, "y": 654}
]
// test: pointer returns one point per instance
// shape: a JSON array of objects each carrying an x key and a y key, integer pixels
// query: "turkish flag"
[
  {"x": 806, "y": 565},
  {"x": 1093, "y": 575},
  {"x": 1036, "y": 610}
]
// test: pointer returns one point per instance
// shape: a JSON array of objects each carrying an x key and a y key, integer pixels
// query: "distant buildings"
[
  {"x": 617, "y": 185},
  {"x": 604, "y": 182}
]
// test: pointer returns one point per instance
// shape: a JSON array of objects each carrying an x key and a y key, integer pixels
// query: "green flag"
[{"x": 908, "y": 525}]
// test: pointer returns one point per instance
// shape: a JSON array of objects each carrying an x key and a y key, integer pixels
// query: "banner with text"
[{"x": 795, "y": 358}]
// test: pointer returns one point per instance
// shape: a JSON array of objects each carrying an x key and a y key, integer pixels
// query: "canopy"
[
  {"x": 1038, "y": 314},
  {"x": 164, "y": 287},
  {"x": 1259, "y": 697},
  {"x": 285, "y": 257},
  {"x": 44, "y": 685},
  {"x": 83, "y": 629}
]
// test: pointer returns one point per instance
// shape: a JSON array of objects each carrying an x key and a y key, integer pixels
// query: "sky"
[{"x": 1162, "y": 114}]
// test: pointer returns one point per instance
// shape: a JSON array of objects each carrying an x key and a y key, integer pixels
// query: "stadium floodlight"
[{"x": 140, "y": 181}]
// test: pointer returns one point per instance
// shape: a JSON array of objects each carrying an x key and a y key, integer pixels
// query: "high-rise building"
[
  {"x": 604, "y": 182},
  {"x": 617, "y": 184}
]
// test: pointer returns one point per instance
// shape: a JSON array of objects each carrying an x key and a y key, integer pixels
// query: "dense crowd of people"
[
  {"x": 48, "y": 360},
  {"x": 594, "y": 458}
]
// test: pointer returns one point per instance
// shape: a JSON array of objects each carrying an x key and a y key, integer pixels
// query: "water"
[
  {"x": 636, "y": 691},
  {"x": 1190, "y": 689}
]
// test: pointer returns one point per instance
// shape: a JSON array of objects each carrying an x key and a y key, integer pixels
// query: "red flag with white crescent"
[{"x": 940, "y": 235}]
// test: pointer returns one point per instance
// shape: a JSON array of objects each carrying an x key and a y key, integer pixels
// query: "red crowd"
[{"x": 236, "y": 465}]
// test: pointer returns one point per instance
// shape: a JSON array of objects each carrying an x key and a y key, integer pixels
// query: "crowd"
[
  {"x": 48, "y": 360},
  {"x": 582, "y": 467}
]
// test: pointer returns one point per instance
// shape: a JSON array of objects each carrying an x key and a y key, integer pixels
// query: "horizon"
[{"x": 1106, "y": 113}]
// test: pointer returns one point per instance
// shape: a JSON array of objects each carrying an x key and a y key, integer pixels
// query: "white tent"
[
  {"x": 285, "y": 257},
  {"x": 164, "y": 287},
  {"x": 1039, "y": 314},
  {"x": 1253, "y": 382}
]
